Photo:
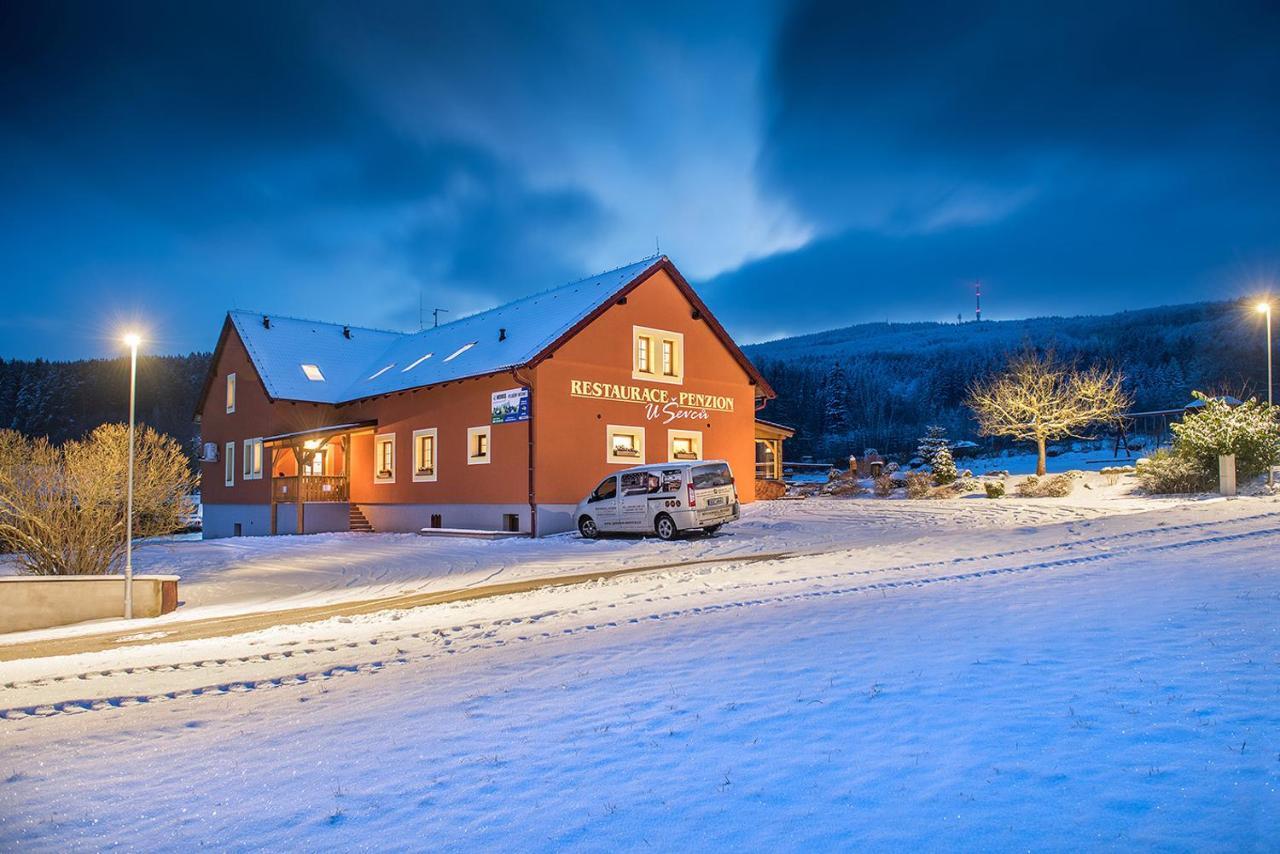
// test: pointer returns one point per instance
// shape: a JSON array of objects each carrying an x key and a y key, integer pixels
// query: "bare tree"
[
  {"x": 62, "y": 509},
  {"x": 1038, "y": 399}
]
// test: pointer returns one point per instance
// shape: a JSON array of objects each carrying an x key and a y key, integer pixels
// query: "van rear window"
[{"x": 711, "y": 476}]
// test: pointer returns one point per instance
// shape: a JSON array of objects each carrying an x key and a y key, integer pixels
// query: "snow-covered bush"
[
  {"x": 1058, "y": 486},
  {"x": 994, "y": 488},
  {"x": 1247, "y": 430},
  {"x": 919, "y": 484},
  {"x": 1113, "y": 473},
  {"x": 1169, "y": 473},
  {"x": 62, "y": 509},
  {"x": 944, "y": 467},
  {"x": 885, "y": 485}
]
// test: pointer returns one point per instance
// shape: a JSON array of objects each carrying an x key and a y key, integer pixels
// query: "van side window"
[
  {"x": 635, "y": 483},
  {"x": 608, "y": 489},
  {"x": 670, "y": 480}
]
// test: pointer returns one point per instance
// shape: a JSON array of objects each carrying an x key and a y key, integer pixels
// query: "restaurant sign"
[
  {"x": 508, "y": 406},
  {"x": 660, "y": 404}
]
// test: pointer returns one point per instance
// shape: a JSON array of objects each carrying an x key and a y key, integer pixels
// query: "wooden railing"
[{"x": 309, "y": 488}]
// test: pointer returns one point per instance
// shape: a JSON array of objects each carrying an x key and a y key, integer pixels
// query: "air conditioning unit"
[{"x": 210, "y": 454}]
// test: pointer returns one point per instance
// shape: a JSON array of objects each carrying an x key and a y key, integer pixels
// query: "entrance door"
[{"x": 633, "y": 501}]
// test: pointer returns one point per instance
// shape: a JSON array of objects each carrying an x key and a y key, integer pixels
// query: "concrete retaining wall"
[
  {"x": 410, "y": 518},
  {"x": 41, "y": 601}
]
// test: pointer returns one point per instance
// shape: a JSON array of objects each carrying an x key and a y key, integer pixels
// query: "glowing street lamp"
[
  {"x": 133, "y": 341},
  {"x": 1265, "y": 308}
]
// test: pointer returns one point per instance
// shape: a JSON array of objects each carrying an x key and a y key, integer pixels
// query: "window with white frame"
[
  {"x": 625, "y": 444},
  {"x": 231, "y": 393},
  {"x": 384, "y": 458},
  {"x": 229, "y": 462},
  {"x": 313, "y": 373},
  {"x": 478, "y": 451},
  {"x": 684, "y": 445},
  {"x": 424, "y": 455},
  {"x": 657, "y": 355},
  {"x": 252, "y": 459}
]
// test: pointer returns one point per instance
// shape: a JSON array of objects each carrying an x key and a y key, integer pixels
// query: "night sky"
[{"x": 806, "y": 165}]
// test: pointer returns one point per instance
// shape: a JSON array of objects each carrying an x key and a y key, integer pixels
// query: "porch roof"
[{"x": 319, "y": 433}]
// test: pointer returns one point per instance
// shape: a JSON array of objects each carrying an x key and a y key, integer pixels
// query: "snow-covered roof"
[{"x": 356, "y": 362}]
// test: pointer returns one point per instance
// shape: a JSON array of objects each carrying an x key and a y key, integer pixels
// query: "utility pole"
[{"x": 977, "y": 302}]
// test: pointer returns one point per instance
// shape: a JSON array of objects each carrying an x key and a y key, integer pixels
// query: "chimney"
[
  {"x": 346, "y": 332},
  {"x": 502, "y": 334},
  {"x": 266, "y": 322}
]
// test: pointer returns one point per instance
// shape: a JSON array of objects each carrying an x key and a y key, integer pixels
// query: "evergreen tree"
[
  {"x": 835, "y": 392},
  {"x": 944, "y": 467},
  {"x": 933, "y": 441}
]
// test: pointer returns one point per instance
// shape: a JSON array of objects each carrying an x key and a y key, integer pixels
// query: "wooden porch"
[
  {"x": 769, "y": 439},
  {"x": 311, "y": 466}
]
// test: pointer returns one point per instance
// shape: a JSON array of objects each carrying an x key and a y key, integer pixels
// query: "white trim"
[
  {"x": 253, "y": 452},
  {"x": 435, "y": 453},
  {"x": 695, "y": 435},
  {"x": 472, "y": 433},
  {"x": 656, "y": 338},
  {"x": 229, "y": 465},
  {"x": 377, "y": 457},
  {"x": 622, "y": 429},
  {"x": 231, "y": 393}
]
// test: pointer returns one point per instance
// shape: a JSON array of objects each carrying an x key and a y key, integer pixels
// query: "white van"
[{"x": 663, "y": 498}]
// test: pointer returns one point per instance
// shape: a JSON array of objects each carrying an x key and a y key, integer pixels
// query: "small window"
[
  {"x": 424, "y": 455},
  {"x": 384, "y": 458},
  {"x": 456, "y": 353},
  {"x": 635, "y": 483},
  {"x": 478, "y": 445},
  {"x": 252, "y": 459},
  {"x": 626, "y": 445},
  {"x": 670, "y": 481},
  {"x": 382, "y": 371},
  {"x": 658, "y": 355},
  {"x": 415, "y": 363},
  {"x": 712, "y": 475},
  {"x": 229, "y": 460},
  {"x": 313, "y": 373},
  {"x": 685, "y": 444},
  {"x": 315, "y": 463},
  {"x": 231, "y": 393},
  {"x": 606, "y": 490}
]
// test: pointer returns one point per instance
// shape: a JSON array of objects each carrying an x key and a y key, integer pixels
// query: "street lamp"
[
  {"x": 1265, "y": 308},
  {"x": 132, "y": 340}
]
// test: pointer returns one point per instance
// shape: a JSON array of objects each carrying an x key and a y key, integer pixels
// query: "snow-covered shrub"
[
  {"x": 844, "y": 488},
  {"x": 919, "y": 484},
  {"x": 944, "y": 467},
  {"x": 1169, "y": 473},
  {"x": 885, "y": 485},
  {"x": 1113, "y": 473},
  {"x": 1058, "y": 486},
  {"x": 994, "y": 488},
  {"x": 1247, "y": 430}
]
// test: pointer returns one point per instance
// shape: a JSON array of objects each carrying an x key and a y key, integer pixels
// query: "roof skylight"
[
  {"x": 415, "y": 363},
  {"x": 313, "y": 373},
  {"x": 456, "y": 353},
  {"x": 382, "y": 371}
]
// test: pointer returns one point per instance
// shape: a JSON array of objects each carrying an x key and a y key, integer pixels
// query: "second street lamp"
[
  {"x": 1265, "y": 308},
  {"x": 132, "y": 340}
]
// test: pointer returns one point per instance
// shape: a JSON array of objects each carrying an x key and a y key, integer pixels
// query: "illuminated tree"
[{"x": 1039, "y": 399}]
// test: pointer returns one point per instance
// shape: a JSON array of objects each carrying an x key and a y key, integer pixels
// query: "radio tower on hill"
[{"x": 977, "y": 302}]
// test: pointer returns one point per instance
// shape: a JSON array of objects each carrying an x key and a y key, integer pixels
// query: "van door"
[
  {"x": 633, "y": 500},
  {"x": 603, "y": 505}
]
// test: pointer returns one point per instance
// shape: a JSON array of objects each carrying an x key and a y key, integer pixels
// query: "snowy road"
[{"x": 1107, "y": 683}]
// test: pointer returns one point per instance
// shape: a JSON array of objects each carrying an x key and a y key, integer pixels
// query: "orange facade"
[{"x": 583, "y": 392}]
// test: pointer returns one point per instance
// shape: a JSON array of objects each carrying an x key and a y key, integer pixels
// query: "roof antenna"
[
  {"x": 657, "y": 247},
  {"x": 419, "y": 308},
  {"x": 435, "y": 316}
]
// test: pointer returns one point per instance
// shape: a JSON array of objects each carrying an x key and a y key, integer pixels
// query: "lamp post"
[
  {"x": 132, "y": 340},
  {"x": 1265, "y": 308}
]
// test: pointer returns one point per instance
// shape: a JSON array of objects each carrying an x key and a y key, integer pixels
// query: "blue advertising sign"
[{"x": 511, "y": 405}]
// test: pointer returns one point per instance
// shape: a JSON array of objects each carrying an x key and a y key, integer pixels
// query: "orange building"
[{"x": 498, "y": 421}]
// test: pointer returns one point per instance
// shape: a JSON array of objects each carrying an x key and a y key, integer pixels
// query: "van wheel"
[
  {"x": 710, "y": 530},
  {"x": 665, "y": 527},
  {"x": 587, "y": 528}
]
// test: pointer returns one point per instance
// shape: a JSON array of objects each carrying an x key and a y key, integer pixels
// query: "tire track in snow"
[{"x": 484, "y": 636}]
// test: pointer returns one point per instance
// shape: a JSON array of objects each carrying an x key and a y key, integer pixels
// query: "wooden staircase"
[{"x": 357, "y": 522}]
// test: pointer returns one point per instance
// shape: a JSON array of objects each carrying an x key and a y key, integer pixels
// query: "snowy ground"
[{"x": 1004, "y": 675}]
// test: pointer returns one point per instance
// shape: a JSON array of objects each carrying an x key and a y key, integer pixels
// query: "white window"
[
  {"x": 684, "y": 444},
  {"x": 478, "y": 445},
  {"x": 231, "y": 393},
  {"x": 424, "y": 456},
  {"x": 384, "y": 458},
  {"x": 456, "y": 353},
  {"x": 229, "y": 461},
  {"x": 313, "y": 373},
  {"x": 625, "y": 445},
  {"x": 252, "y": 459},
  {"x": 415, "y": 363},
  {"x": 657, "y": 355}
]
